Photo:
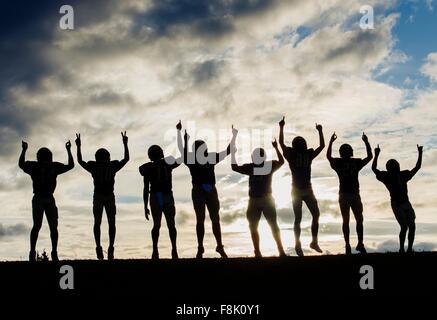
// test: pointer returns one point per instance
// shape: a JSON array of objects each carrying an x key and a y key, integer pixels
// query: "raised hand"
[
  {"x": 234, "y": 131},
  {"x": 377, "y": 150},
  {"x": 78, "y": 141},
  {"x": 419, "y": 149},
  {"x": 282, "y": 122},
  {"x": 319, "y": 127},
  {"x": 179, "y": 125},
  {"x": 275, "y": 144},
  {"x": 124, "y": 138},
  {"x": 24, "y": 145},
  {"x": 333, "y": 137},
  {"x": 68, "y": 145},
  {"x": 365, "y": 138}
]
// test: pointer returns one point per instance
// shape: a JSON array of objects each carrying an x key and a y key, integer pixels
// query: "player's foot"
[
  {"x": 258, "y": 254},
  {"x": 282, "y": 253},
  {"x": 299, "y": 251},
  {"x": 99, "y": 253},
  {"x": 360, "y": 248},
  {"x": 174, "y": 254},
  {"x": 315, "y": 246},
  {"x": 221, "y": 250},
  {"x": 111, "y": 253},
  {"x": 348, "y": 250},
  {"x": 155, "y": 255},
  {"x": 32, "y": 256},
  {"x": 401, "y": 250},
  {"x": 410, "y": 250},
  {"x": 200, "y": 251},
  {"x": 54, "y": 255}
]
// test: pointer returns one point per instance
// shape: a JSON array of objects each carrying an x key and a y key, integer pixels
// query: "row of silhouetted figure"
[{"x": 158, "y": 195}]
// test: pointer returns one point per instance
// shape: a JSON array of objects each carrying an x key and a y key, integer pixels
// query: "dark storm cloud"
[
  {"x": 27, "y": 30},
  {"x": 198, "y": 73},
  {"x": 206, "y": 18},
  {"x": 13, "y": 230},
  {"x": 206, "y": 71},
  {"x": 362, "y": 45}
]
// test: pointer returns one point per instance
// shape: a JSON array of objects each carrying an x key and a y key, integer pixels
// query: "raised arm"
[
  {"x": 329, "y": 151},
  {"x": 281, "y": 134},
  {"x": 179, "y": 137},
  {"x": 234, "y": 165},
  {"x": 70, "y": 164},
  {"x": 223, "y": 154},
  {"x": 126, "y": 149},
  {"x": 82, "y": 163},
  {"x": 22, "y": 158},
  {"x": 369, "y": 156},
  {"x": 419, "y": 160},
  {"x": 278, "y": 153},
  {"x": 375, "y": 160},
  {"x": 321, "y": 140},
  {"x": 185, "y": 149}
]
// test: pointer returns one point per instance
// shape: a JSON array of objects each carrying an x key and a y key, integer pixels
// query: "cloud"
[
  {"x": 430, "y": 67},
  {"x": 141, "y": 66},
  {"x": 13, "y": 230},
  {"x": 205, "y": 19}
]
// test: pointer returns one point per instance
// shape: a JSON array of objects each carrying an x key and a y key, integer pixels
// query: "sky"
[{"x": 141, "y": 66}]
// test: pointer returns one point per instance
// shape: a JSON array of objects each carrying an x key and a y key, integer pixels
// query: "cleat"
[
  {"x": 200, "y": 251},
  {"x": 299, "y": 251},
  {"x": 360, "y": 248},
  {"x": 111, "y": 253},
  {"x": 315, "y": 246},
  {"x": 221, "y": 251},
  {"x": 54, "y": 255},
  {"x": 99, "y": 253},
  {"x": 32, "y": 256},
  {"x": 155, "y": 255}
]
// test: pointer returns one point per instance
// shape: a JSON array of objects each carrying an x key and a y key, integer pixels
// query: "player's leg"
[
  {"x": 98, "y": 212},
  {"x": 52, "y": 218},
  {"x": 411, "y": 220},
  {"x": 253, "y": 215},
  {"x": 345, "y": 214},
  {"x": 156, "y": 210},
  {"x": 269, "y": 210},
  {"x": 297, "y": 209},
  {"x": 111, "y": 211},
  {"x": 37, "y": 216},
  {"x": 213, "y": 205},
  {"x": 311, "y": 202},
  {"x": 199, "y": 204},
  {"x": 400, "y": 217},
  {"x": 170, "y": 212},
  {"x": 357, "y": 209}
]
